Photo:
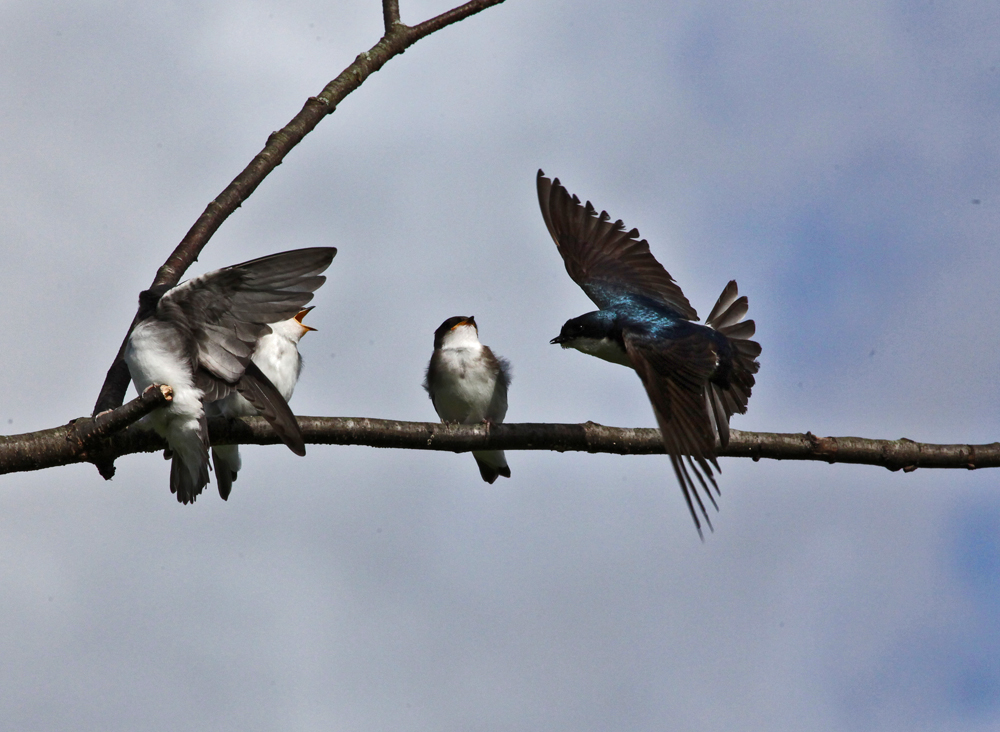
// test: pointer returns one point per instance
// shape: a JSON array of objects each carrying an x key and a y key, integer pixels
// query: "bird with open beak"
[
  {"x": 199, "y": 336},
  {"x": 277, "y": 356}
]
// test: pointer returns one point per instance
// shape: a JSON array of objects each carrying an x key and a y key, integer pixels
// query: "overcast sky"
[{"x": 840, "y": 160}]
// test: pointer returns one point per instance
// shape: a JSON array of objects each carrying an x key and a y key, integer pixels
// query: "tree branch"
[
  {"x": 82, "y": 440},
  {"x": 397, "y": 39},
  {"x": 60, "y": 447}
]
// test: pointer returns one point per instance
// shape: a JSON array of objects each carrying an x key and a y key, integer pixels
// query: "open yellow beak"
[{"x": 301, "y": 315}]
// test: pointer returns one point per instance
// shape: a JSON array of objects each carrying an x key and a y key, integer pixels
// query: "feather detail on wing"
[
  {"x": 227, "y": 310},
  {"x": 675, "y": 374},
  {"x": 604, "y": 259},
  {"x": 256, "y": 388}
]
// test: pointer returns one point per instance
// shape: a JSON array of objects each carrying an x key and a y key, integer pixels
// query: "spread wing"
[
  {"x": 227, "y": 310},
  {"x": 607, "y": 261},
  {"x": 675, "y": 374}
]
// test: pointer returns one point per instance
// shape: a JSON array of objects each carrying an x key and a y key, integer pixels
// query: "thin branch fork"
[
  {"x": 397, "y": 39},
  {"x": 901, "y": 454}
]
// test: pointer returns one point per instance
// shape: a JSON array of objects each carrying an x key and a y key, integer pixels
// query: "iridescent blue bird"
[{"x": 697, "y": 376}]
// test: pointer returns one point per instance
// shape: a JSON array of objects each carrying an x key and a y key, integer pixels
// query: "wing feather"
[
  {"x": 604, "y": 259},
  {"x": 676, "y": 376},
  {"x": 228, "y": 310},
  {"x": 256, "y": 388}
]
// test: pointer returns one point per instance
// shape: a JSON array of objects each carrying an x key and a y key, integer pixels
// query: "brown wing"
[
  {"x": 675, "y": 374},
  {"x": 604, "y": 259}
]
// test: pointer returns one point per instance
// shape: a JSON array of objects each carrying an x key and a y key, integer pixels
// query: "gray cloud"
[{"x": 828, "y": 158}]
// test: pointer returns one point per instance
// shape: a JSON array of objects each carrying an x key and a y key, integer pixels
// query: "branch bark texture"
[
  {"x": 82, "y": 440},
  {"x": 63, "y": 446},
  {"x": 398, "y": 37}
]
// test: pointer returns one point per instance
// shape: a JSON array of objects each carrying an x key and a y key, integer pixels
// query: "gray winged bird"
[
  {"x": 696, "y": 376},
  {"x": 468, "y": 384},
  {"x": 277, "y": 355},
  {"x": 198, "y": 337}
]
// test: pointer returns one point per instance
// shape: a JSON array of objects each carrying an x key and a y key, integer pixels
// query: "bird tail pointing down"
[
  {"x": 189, "y": 464},
  {"x": 492, "y": 464}
]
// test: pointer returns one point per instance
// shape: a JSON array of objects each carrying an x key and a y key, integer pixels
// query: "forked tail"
[{"x": 729, "y": 391}]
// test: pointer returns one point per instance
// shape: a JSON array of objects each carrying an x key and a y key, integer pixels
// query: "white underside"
[
  {"x": 603, "y": 348},
  {"x": 151, "y": 360},
  {"x": 277, "y": 355},
  {"x": 466, "y": 389}
]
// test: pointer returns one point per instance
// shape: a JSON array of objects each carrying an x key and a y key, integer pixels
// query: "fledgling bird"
[
  {"x": 468, "y": 384},
  {"x": 277, "y": 355},
  {"x": 198, "y": 337},
  {"x": 696, "y": 376}
]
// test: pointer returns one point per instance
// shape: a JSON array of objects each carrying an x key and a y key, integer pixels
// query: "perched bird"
[
  {"x": 468, "y": 384},
  {"x": 277, "y": 355},
  {"x": 696, "y": 375},
  {"x": 198, "y": 337}
]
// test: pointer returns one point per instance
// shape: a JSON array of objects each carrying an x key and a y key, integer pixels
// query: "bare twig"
[
  {"x": 901, "y": 454},
  {"x": 397, "y": 38},
  {"x": 390, "y": 13}
]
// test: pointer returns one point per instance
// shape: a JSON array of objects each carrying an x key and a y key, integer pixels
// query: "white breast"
[
  {"x": 151, "y": 357},
  {"x": 604, "y": 348},
  {"x": 278, "y": 357},
  {"x": 465, "y": 389}
]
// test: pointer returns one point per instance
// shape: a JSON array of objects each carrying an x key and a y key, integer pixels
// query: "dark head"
[
  {"x": 597, "y": 334},
  {"x": 591, "y": 326},
  {"x": 449, "y": 325}
]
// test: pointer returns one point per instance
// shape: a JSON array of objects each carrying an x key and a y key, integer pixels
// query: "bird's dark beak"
[{"x": 557, "y": 340}]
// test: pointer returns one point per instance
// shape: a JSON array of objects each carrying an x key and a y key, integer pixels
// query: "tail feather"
[
  {"x": 226, "y": 459},
  {"x": 740, "y": 331},
  {"x": 189, "y": 463},
  {"x": 726, "y": 299},
  {"x": 187, "y": 480},
  {"x": 730, "y": 395},
  {"x": 492, "y": 464},
  {"x": 747, "y": 349},
  {"x": 188, "y": 473}
]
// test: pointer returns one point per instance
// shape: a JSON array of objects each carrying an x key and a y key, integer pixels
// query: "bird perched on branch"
[
  {"x": 696, "y": 376},
  {"x": 277, "y": 356},
  {"x": 468, "y": 384},
  {"x": 198, "y": 337}
]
